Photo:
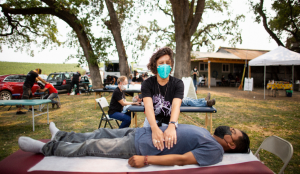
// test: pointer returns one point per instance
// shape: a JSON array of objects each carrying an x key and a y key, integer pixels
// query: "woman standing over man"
[
  {"x": 118, "y": 101},
  {"x": 162, "y": 96}
]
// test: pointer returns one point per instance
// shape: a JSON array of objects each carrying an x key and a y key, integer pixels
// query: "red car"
[{"x": 13, "y": 84}]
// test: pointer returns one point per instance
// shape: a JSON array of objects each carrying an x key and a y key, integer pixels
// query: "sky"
[{"x": 254, "y": 37}]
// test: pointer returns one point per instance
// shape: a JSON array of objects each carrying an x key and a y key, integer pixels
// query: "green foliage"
[
  {"x": 205, "y": 34},
  {"x": 285, "y": 23},
  {"x": 41, "y": 29},
  {"x": 47, "y": 68}
]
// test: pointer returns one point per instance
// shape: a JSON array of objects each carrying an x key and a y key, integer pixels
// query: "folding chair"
[
  {"x": 103, "y": 103},
  {"x": 279, "y": 147}
]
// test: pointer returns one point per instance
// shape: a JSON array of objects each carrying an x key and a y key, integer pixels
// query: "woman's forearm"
[
  {"x": 149, "y": 111},
  {"x": 175, "y": 109}
]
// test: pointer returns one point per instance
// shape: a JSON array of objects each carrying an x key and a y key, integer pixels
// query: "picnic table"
[
  {"x": 100, "y": 90},
  {"x": 29, "y": 103},
  {"x": 278, "y": 85}
]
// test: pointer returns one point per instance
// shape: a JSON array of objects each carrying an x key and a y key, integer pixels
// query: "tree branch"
[
  {"x": 292, "y": 18},
  {"x": 14, "y": 27},
  {"x": 165, "y": 12},
  {"x": 197, "y": 16},
  {"x": 271, "y": 33}
]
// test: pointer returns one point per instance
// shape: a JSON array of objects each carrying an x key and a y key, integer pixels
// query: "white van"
[{"x": 111, "y": 68}]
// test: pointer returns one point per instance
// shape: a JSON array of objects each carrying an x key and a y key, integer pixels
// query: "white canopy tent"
[{"x": 278, "y": 56}]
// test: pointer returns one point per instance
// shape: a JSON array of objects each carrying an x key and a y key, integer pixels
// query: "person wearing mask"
[
  {"x": 75, "y": 80},
  {"x": 195, "y": 75},
  {"x": 31, "y": 78},
  {"x": 162, "y": 96},
  {"x": 118, "y": 101},
  {"x": 137, "y": 79}
]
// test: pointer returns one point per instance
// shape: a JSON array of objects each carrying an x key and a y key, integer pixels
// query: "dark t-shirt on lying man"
[{"x": 205, "y": 148}]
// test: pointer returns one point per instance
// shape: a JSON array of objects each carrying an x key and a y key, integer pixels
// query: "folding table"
[
  {"x": 98, "y": 92},
  {"x": 29, "y": 103},
  {"x": 134, "y": 109}
]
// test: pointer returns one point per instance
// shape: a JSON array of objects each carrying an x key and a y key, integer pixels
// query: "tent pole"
[
  {"x": 293, "y": 77},
  {"x": 265, "y": 82}
]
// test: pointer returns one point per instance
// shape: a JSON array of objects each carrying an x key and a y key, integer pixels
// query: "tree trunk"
[
  {"x": 186, "y": 24},
  {"x": 114, "y": 26},
  {"x": 72, "y": 20}
]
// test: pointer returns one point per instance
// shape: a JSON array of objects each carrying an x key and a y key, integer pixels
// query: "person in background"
[
  {"x": 114, "y": 80},
  {"x": 31, "y": 77},
  {"x": 52, "y": 93},
  {"x": 237, "y": 80},
  {"x": 75, "y": 80},
  {"x": 162, "y": 97},
  {"x": 195, "y": 75},
  {"x": 118, "y": 101},
  {"x": 137, "y": 79},
  {"x": 145, "y": 76}
]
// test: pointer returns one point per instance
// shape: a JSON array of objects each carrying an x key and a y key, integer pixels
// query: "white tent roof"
[{"x": 278, "y": 56}]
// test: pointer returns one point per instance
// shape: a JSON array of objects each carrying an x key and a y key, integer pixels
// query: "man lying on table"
[{"x": 194, "y": 145}]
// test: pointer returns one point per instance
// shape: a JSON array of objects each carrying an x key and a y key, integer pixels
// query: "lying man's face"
[{"x": 227, "y": 136}]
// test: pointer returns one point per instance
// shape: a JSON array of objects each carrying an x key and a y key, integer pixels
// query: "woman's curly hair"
[{"x": 152, "y": 65}]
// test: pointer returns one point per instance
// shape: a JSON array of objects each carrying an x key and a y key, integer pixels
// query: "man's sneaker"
[
  {"x": 20, "y": 112},
  {"x": 68, "y": 93},
  {"x": 78, "y": 94},
  {"x": 210, "y": 103},
  {"x": 207, "y": 97},
  {"x": 30, "y": 109}
]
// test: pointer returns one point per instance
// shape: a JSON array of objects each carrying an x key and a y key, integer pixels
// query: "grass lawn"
[{"x": 259, "y": 118}]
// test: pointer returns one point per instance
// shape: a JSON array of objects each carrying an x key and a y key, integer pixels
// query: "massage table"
[
  {"x": 20, "y": 162},
  {"x": 134, "y": 109},
  {"x": 99, "y": 91},
  {"x": 29, "y": 103}
]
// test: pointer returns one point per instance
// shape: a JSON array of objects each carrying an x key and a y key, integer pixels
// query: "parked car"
[
  {"x": 62, "y": 80},
  {"x": 13, "y": 84},
  {"x": 43, "y": 76}
]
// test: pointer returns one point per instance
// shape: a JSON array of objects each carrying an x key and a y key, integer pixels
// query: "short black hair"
[
  {"x": 242, "y": 144},
  {"x": 39, "y": 70}
]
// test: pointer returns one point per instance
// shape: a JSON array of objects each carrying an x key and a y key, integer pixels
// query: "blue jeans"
[
  {"x": 112, "y": 143},
  {"x": 125, "y": 118},
  {"x": 195, "y": 84},
  {"x": 201, "y": 102}
]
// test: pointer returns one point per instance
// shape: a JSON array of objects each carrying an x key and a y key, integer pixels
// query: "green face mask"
[{"x": 164, "y": 70}]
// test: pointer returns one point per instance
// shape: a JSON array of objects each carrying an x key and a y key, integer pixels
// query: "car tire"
[{"x": 5, "y": 95}]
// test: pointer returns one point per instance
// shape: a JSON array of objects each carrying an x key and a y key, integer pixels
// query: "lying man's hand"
[{"x": 136, "y": 161}]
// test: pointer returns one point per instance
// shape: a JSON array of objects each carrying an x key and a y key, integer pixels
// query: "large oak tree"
[
  {"x": 25, "y": 22},
  {"x": 185, "y": 33}
]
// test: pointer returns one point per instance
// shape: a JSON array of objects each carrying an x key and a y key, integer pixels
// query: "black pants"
[{"x": 72, "y": 85}]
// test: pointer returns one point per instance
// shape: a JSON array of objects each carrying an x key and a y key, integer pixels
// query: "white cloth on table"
[{"x": 100, "y": 164}]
